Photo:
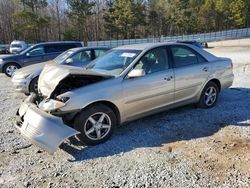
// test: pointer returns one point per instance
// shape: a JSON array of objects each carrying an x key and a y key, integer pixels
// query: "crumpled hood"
[
  {"x": 30, "y": 69},
  {"x": 52, "y": 74}
]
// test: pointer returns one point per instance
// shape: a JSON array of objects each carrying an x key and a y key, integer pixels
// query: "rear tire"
[
  {"x": 209, "y": 96},
  {"x": 10, "y": 68},
  {"x": 96, "y": 124},
  {"x": 34, "y": 85}
]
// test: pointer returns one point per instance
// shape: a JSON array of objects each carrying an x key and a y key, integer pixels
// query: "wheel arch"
[
  {"x": 110, "y": 105},
  {"x": 36, "y": 77},
  {"x": 216, "y": 81},
  {"x": 11, "y": 62}
]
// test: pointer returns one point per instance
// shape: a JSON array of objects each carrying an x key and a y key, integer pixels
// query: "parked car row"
[
  {"x": 26, "y": 79},
  {"x": 88, "y": 92},
  {"x": 35, "y": 54}
]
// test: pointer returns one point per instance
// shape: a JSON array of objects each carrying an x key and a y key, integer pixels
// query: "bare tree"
[
  {"x": 58, "y": 8},
  {"x": 7, "y": 8}
]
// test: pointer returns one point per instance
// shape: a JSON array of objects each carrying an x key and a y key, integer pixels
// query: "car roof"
[
  {"x": 148, "y": 46},
  {"x": 89, "y": 48},
  {"x": 17, "y": 41},
  {"x": 57, "y": 42},
  {"x": 145, "y": 46}
]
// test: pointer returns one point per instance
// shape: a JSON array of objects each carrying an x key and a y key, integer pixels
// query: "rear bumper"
[
  {"x": 42, "y": 129},
  {"x": 227, "y": 81}
]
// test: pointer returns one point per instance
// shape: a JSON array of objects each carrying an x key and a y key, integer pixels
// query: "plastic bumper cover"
[{"x": 43, "y": 129}]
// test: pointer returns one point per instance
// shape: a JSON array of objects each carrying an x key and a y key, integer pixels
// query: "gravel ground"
[{"x": 184, "y": 147}]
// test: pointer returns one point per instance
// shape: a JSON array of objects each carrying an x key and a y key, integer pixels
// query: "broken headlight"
[{"x": 50, "y": 105}]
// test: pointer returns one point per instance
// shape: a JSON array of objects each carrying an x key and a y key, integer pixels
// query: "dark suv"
[{"x": 35, "y": 54}]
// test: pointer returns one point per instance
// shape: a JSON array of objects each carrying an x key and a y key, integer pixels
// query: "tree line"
[{"x": 87, "y": 20}]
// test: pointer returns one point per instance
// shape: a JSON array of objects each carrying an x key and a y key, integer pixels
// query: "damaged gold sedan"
[{"x": 127, "y": 83}]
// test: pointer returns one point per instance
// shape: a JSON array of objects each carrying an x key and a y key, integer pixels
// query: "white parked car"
[{"x": 17, "y": 46}]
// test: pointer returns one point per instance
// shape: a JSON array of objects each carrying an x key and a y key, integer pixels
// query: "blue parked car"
[{"x": 35, "y": 54}]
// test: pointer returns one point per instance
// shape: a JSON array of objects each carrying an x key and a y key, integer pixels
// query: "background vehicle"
[
  {"x": 127, "y": 83},
  {"x": 25, "y": 79},
  {"x": 4, "y": 50},
  {"x": 17, "y": 46},
  {"x": 192, "y": 42},
  {"x": 35, "y": 54}
]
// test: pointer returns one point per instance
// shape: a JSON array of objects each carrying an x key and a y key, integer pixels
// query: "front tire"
[
  {"x": 10, "y": 68},
  {"x": 209, "y": 96},
  {"x": 96, "y": 124},
  {"x": 34, "y": 85}
]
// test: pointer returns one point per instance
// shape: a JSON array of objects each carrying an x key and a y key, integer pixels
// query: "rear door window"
[
  {"x": 184, "y": 56},
  {"x": 55, "y": 48},
  {"x": 65, "y": 47},
  {"x": 52, "y": 48}
]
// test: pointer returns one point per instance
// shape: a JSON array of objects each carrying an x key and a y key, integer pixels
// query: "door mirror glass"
[
  {"x": 136, "y": 73},
  {"x": 69, "y": 61}
]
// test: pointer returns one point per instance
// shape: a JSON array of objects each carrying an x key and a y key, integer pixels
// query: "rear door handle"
[
  {"x": 168, "y": 78},
  {"x": 205, "y": 69}
]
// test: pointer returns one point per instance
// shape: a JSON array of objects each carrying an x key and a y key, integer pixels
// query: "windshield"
[
  {"x": 16, "y": 46},
  {"x": 114, "y": 62},
  {"x": 63, "y": 56}
]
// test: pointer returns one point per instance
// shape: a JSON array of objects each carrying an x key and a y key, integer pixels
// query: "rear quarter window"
[
  {"x": 65, "y": 47},
  {"x": 56, "y": 48}
]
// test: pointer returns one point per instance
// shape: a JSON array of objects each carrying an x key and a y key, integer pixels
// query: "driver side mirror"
[
  {"x": 136, "y": 73},
  {"x": 69, "y": 61}
]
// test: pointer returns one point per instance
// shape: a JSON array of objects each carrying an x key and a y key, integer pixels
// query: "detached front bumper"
[{"x": 43, "y": 129}]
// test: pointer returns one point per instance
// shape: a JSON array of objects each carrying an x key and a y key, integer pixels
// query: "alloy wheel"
[
  {"x": 11, "y": 69},
  {"x": 97, "y": 126},
  {"x": 210, "y": 96}
]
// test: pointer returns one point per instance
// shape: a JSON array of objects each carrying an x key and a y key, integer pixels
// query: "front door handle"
[
  {"x": 205, "y": 69},
  {"x": 168, "y": 78}
]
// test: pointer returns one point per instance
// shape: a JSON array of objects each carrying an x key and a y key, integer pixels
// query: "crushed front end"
[{"x": 44, "y": 118}]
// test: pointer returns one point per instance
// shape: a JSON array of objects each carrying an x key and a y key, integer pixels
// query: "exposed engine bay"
[
  {"x": 72, "y": 82},
  {"x": 55, "y": 80}
]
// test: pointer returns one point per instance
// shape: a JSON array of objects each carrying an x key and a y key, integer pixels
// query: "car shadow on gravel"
[{"x": 185, "y": 123}]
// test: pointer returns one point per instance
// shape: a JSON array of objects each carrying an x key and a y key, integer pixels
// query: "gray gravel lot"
[{"x": 184, "y": 147}]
